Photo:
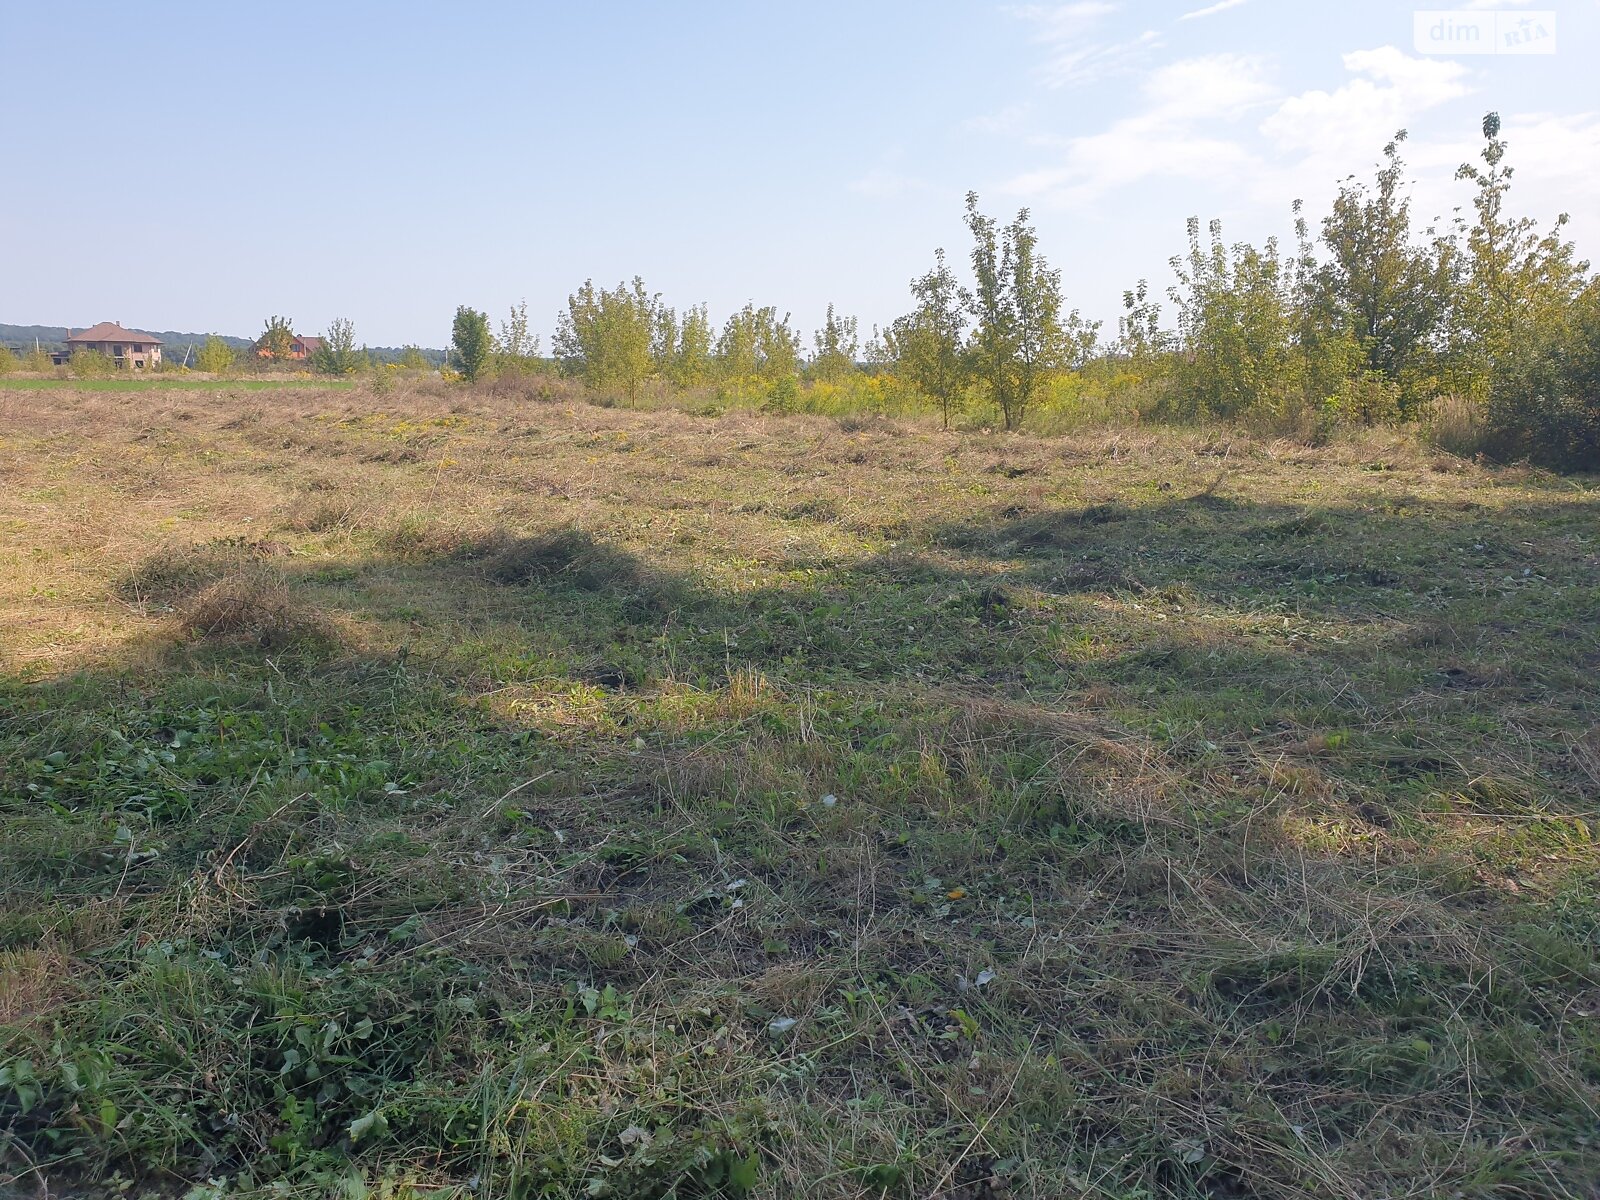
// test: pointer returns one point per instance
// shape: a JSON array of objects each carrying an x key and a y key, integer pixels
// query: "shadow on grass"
[{"x": 914, "y": 844}]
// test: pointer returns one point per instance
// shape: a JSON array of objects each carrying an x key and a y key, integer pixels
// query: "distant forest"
[{"x": 20, "y": 338}]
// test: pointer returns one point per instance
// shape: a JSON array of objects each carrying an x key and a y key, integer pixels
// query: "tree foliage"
[
  {"x": 1379, "y": 287},
  {"x": 929, "y": 342},
  {"x": 1021, "y": 334},
  {"x": 277, "y": 339},
  {"x": 692, "y": 363},
  {"x": 758, "y": 344},
  {"x": 836, "y": 344},
  {"x": 215, "y": 356},
  {"x": 413, "y": 359},
  {"x": 1514, "y": 284},
  {"x": 607, "y": 338},
  {"x": 517, "y": 347},
  {"x": 471, "y": 345},
  {"x": 337, "y": 355},
  {"x": 1236, "y": 326}
]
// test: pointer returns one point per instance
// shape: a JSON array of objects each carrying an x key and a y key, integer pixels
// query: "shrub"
[
  {"x": 782, "y": 395},
  {"x": 215, "y": 357},
  {"x": 90, "y": 364},
  {"x": 8, "y": 361},
  {"x": 1368, "y": 398},
  {"x": 1545, "y": 406},
  {"x": 1236, "y": 324}
]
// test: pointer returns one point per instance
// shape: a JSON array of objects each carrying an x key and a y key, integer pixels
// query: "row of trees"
[
  {"x": 335, "y": 352},
  {"x": 1368, "y": 318}
]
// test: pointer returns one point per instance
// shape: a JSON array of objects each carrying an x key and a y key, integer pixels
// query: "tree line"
[{"x": 1366, "y": 319}]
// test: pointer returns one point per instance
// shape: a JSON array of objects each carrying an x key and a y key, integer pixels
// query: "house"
[
  {"x": 124, "y": 347},
  {"x": 299, "y": 347}
]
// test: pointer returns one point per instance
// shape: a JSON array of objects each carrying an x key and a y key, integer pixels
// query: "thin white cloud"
[
  {"x": 1077, "y": 55},
  {"x": 1193, "y": 124},
  {"x": 1211, "y": 10},
  {"x": 1171, "y": 136}
]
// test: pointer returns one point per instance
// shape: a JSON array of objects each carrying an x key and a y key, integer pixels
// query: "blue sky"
[{"x": 387, "y": 162}]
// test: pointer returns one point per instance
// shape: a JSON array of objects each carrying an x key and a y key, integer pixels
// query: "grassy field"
[
  {"x": 438, "y": 794},
  {"x": 167, "y": 383}
]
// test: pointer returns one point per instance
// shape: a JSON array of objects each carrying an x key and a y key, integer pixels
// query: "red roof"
[
  {"x": 311, "y": 343},
  {"x": 110, "y": 331}
]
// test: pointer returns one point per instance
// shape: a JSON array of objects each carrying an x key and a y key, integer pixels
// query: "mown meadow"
[{"x": 450, "y": 792}]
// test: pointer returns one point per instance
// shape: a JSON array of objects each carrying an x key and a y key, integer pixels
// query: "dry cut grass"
[{"x": 463, "y": 793}]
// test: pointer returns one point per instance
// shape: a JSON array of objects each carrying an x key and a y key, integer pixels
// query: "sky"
[{"x": 201, "y": 166}]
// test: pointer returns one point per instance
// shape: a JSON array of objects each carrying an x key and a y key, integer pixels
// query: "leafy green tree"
[
  {"x": 337, "y": 355},
  {"x": 1379, "y": 287},
  {"x": 215, "y": 356},
  {"x": 664, "y": 340},
  {"x": 413, "y": 359},
  {"x": 1514, "y": 281},
  {"x": 836, "y": 345},
  {"x": 516, "y": 346},
  {"x": 277, "y": 339},
  {"x": 1140, "y": 337},
  {"x": 692, "y": 359},
  {"x": 1544, "y": 404},
  {"x": 1237, "y": 320},
  {"x": 471, "y": 344},
  {"x": 929, "y": 342},
  {"x": 8, "y": 361},
  {"x": 1021, "y": 334},
  {"x": 756, "y": 343},
  {"x": 606, "y": 337}
]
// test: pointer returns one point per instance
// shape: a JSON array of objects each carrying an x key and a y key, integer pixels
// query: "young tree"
[
  {"x": 1236, "y": 325},
  {"x": 413, "y": 359},
  {"x": 836, "y": 345},
  {"x": 471, "y": 346},
  {"x": 606, "y": 337},
  {"x": 929, "y": 342},
  {"x": 215, "y": 356},
  {"x": 1021, "y": 334},
  {"x": 276, "y": 340},
  {"x": 664, "y": 341},
  {"x": 516, "y": 346},
  {"x": 1140, "y": 337},
  {"x": 337, "y": 355},
  {"x": 692, "y": 361},
  {"x": 1514, "y": 281},
  {"x": 757, "y": 344},
  {"x": 1379, "y": 287}
]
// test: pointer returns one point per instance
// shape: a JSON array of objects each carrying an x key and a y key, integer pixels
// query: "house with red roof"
[{"x": 127, "y": 348}]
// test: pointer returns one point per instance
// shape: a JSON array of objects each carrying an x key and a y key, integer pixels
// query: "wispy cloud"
[
  {"x": 1210, "y": 10},
  {"x": 1077, "y": 52},
  {"x": 1172, "y": 135},
  {"x": 1220, "y": 116}
]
